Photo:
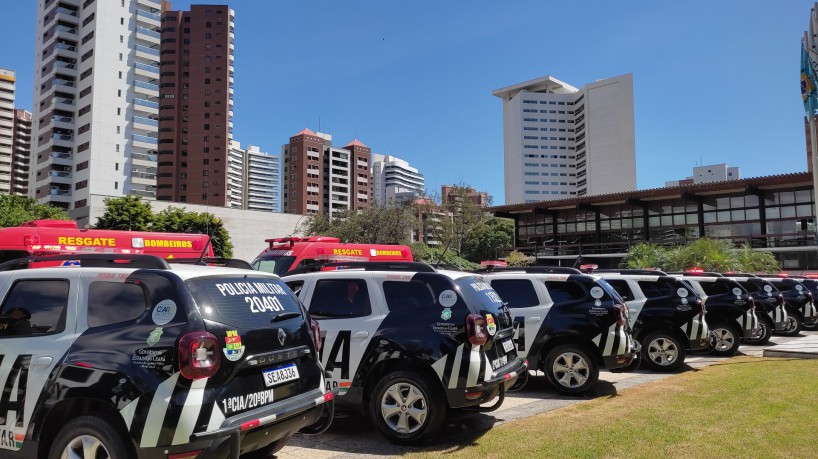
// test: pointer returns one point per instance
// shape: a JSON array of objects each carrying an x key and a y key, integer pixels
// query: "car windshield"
[{"x": 273, "y": 264}]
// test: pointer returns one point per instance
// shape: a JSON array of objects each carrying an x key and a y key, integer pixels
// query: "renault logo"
[{"x": 282, "y": 336}]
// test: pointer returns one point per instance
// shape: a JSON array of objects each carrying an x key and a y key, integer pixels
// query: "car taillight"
[
  {"x": 199, "y": 355},
  {"x": 620, "y": 314},
  {"x": 316, "y": 334},
  {"x": 752, "y": 302},
  {"x": 700, "y": 304},
  {"x": 476, "y": 329},
  {"x": 780, "y": 299}
]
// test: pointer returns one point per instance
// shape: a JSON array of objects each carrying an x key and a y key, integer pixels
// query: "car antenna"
[{"x": 204, "y": 251}]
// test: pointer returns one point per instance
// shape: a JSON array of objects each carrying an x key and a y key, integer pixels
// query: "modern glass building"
[{"x": 773, "y": 213}]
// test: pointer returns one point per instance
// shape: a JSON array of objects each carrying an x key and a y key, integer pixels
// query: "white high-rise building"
[
  {"x": 96, "y": 101},
  {"x": 7, "y": 84},
  {"x": 711, "y": 173},
  {"x": 253, "y": 179},
  {"x": 394, "y": 181},
  {"x": 561, "y": 141}
]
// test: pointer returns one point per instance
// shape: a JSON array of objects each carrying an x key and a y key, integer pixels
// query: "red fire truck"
[
  {"x": 52, "y": 237},
  {"x": 288, "y": 253}
]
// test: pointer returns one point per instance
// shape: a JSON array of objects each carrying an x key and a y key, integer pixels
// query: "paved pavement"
[{"x": 356, "y": 437}]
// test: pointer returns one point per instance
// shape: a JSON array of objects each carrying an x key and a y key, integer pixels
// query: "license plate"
[
  {"x": 497, "y": 363},
  {"x": 280, "y": 375},
  {"x": 507, "y": 345}
]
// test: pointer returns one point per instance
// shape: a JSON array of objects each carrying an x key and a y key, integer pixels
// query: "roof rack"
[
  {"x": 645, "y": 272},
  {"x": 697, "y": 274},
  {"x": 415, "y": 266},
  {"x": 91, "y": 260},
  {"x": 530, "y": 269},
  {"x": 213, "y": 261}
]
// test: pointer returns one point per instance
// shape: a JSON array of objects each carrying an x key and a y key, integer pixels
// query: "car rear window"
[
  {"x": 661, "y": 288},
  {"x": 244, "y": 301},
  {"x": 479, "y": 293},
  {"x": 518, "y": 293}
]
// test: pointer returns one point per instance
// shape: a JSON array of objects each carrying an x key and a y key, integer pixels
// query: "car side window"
[
  {"x": 34, "y": 308},
  {"x": 785, "y": 286},
  {"x": 623, "y": 289},
  {"x": 295, "y": 286},
  {"x": 405, "y": 296},
  {"x": 659, "y": 289},
  {"x": 714, "y": 288},
  {"x": 340, "y": 298},
  {"x": 114, "y": 302},
  {"x": 565, "y": 292},
  {"x": 518, "y": 293}
]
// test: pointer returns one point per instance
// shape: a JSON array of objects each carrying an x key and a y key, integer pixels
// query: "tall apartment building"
[
  {"x": 196, "y": 107},
  {"x": 562, "y": 141},
  {"x": 450, "y": 193},
  {"x": 7, "y": 86},
  {"x": 710, "y": 173},
  {"x": 21, "y": 152},
  {"x": 394, "y": 181},
  {"x": 95, "y": 116},
  {"x": 321, "y": 178},
  {"x": 253, "y": 179}
]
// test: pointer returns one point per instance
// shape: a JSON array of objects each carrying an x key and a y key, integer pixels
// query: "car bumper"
[
  {"x": 488, "y": 389},
  {"x": 632, "y": 349},
  {"x": 251, "y": 430}
]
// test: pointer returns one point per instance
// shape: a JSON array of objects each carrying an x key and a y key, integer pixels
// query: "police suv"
[
  {"x": 405, "y": 343},
  {"x": 667, "y": 317},
  {"x": 566, "y": 323},
  {"x": 770, "y": 307},
  {"x": 799, "y": 301},
  {"x": 730, "y": 310},
  {"x": 130, "y": 357}
]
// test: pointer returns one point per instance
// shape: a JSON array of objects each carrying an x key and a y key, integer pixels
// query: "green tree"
[
  {"x": 488, "y": 239},
  {"x": 437, "y": 256},
  {"x": 16, "y": 210},
  {"x": 646, "y": 255},
  {"x": 517, "y": 258},
  {"x": 754, "y": 261},
  {"x": 372, "y": 225},
  {"x": 178, "y": 220},
  {"x": 126, "y": 213}
]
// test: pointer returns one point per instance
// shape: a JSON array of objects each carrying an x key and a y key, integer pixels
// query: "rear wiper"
[{"x": 285, "y": 316}]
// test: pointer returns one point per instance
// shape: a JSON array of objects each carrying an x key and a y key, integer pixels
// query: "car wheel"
[
  {"x": 268, "y": 451},
  {"x": 570, "y": 369},
  {"x": 408, "y": 408},
  {"x": 662, "y": 351},
  {"x": 794, "y": 325},
  {"x": 89, "y": 436},
  {"x": 766, "y": 332},
  {"x": 727, "y": 340}
]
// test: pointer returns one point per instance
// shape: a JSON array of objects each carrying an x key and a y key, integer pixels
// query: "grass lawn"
[{"x": 744, "y": 407}]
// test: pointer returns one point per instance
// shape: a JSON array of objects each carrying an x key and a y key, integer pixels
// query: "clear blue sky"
[{"x": 714, "y": 81}]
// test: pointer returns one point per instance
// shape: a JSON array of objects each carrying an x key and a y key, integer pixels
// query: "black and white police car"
[
  {"x": 799, "y": 301},
  {"x": 131, "y": 357},
  {"x": 405, "y": 343},
  {"x": 770, "y": 307},
  {"x": 730, "y": 308},
  {"x": 667, "y": 317},
  {"x": 566, "y": 323}
]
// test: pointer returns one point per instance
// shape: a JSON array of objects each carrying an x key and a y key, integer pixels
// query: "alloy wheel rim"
[
  {"x": 571, "y": 370},
  {"x": 663, "y": 351},
  {"x": 404, "y": 408},
  {"x": 84, "y": 447},
  {"x": 724, "y": 339}
]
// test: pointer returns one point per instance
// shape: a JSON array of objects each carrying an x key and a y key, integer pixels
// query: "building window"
[
  {"x": 116, "y": 185},
  {"x": 208, "y": 35}
]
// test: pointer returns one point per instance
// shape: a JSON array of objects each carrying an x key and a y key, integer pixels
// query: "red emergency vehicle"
[
  {"x": 288, "y": 253},
  {"x": 52, "y": 237}
]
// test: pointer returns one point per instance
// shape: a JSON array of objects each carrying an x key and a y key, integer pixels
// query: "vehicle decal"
[
  {"x": 164, "y": 312},
  {"x": 467, "y": 366},
  {"x": 156, "y": 413},
  {"x": 614, "y": 340},
  {"x": 748, "y": 321},
  {"x": 809, "y": 310},
  {"x": 696, "y": 329},
  {"x": 779, "y": 314},
  {"x": 190, "y": 412},
  {"x": 233, "y": 349},
  {"x": 13, "y": 400},
  {"x": 154, "y": 336}
]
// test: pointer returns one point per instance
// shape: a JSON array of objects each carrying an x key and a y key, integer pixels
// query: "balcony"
[
  {"x": 147, "y": 70},
  {"x": 143, "y": 193},
  {"x": 144, "y": 157},
  {"x": 62, "y": 137},
  {"x": 60, "y": 192},
  {"x": 60, "y": 174},
  {"x": 147, "y": 52},
  {"x": 146, "y": 103},
  {"x": 146, "y": 85},
  {"x": 145, "y": 121},
  {"x": 62, "y": 119},
  {"x": 145, "y": 142},
  {"x": 65, "y": 46},
  {"x": 154, "y": 19},
  {"x": 148, "y": 32}
]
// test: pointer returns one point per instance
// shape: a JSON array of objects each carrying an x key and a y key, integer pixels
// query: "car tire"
[
  {"x": 89, "y": 436},
  {"x": 796, "y": 324},
  {"x": 570, "y": 369},
  {"x": 662, "y": 351},
  {"x": 727, "y": 339},
  {"x": 767, "y": 328},
  {"x": 408, "y": 408},
  {"x": 268, "y": 451}
]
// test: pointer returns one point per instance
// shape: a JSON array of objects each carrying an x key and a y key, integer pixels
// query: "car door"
[
  {"x": 349, "y": 311},
  {"x": 39, "y": 313},
  {"x": 528, "y": 303}
]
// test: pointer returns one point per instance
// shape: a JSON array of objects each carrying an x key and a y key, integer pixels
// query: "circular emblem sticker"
[
  {"x": 447, "y": 298},
  {"x": 799, "y": 287},
  {"x": 737, "y": 291},
  {"x": 682, "y": 292},
  {"x": 164, "y": 312},
  {"x": 768, "y": 288},
  {"x": 597, "y": 292}
]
